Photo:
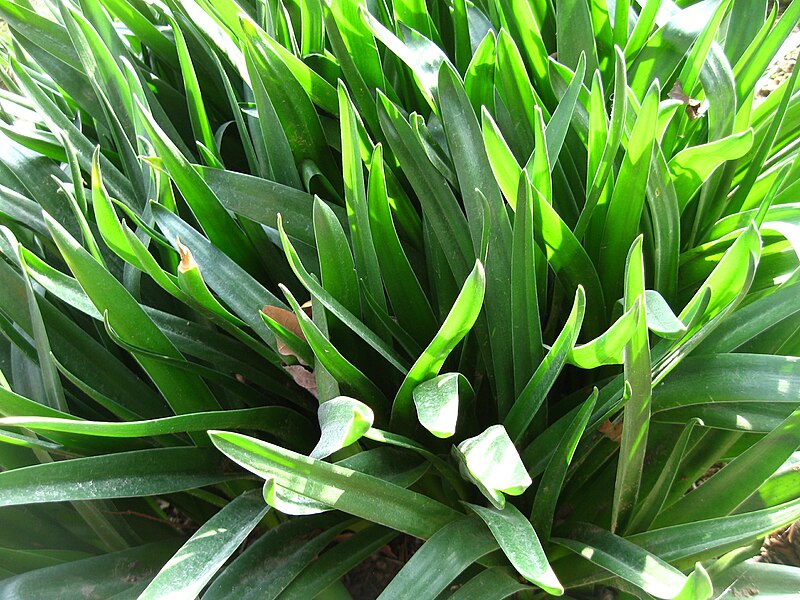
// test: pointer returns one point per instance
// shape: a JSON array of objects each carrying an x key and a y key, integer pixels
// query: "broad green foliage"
[{"x": 283, "y": 280}]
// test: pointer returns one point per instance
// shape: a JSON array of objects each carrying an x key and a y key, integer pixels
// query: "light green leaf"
[
  {"x": 607, "y": 349},
  {"x": 361, "y": 495},
  {"x": 459, "y": 321},
  {"x": 343, "y": 421},
  {"x": 698, "y": 585},
  {"x": 660, "y": 318},
  {"x": 492, "y": 463},
  {"x": 691, "y": 167},
  {"x": 437, "y": 402}
]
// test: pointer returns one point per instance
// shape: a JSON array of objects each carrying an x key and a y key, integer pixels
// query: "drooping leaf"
[{"x": 491, "y": 462}]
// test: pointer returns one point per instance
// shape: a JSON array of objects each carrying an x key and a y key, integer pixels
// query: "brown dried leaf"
[
  {"x": 287, "y": 319},
  {"x": 187, "y": 260},
  {"x": 694, "y": 107},
  {"x": 303, "y": 377},
  {"x": 611, "y": 431}
]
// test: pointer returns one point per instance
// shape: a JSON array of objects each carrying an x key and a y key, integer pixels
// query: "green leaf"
[
  {"x": 492, "y": 463},
  {"x": 698, "y": 585},
  {"x": 569, "y": 259},
  {"x": 624, "y": 559},
  {"x": 558, "y": 126},
  {"x": 665, "y": 49},
  {"x": 422, "y": 56},
  {"x": 752, "y": 320},
  {"x": 638, "y": 385},
  {"x": 191, "y": 283},
  {"x": 58, "y": 121},
  {"x": 481, "y": 196},
  {"x": 737, "y": 480},
  {"x": 552, "y": 480},
  {"x": 691, "y": 167},
  {"x": 261, "y": 200},
  {"x": 535, "y": 392},
  {"x": 358, "y": 56},
  {"x": 220, "y": 227},
  {"x": 80, "y": 354},
  {"x": 108, "y": 575},
  {"x": 410, "y": 304},
  {"x": 344, "y": 489},
  {"x": 726, "y": 281},
  {"x": 337, "y": 268},
  {"x": 199, "y": 559},
  {"x": 267, "y": 566},
  {"x": 459, "y": 321},
  {"x": 479, "y": 78},
  {"x": 519, "y": 543},
  {"x": 197, "y": 109},
  {"x": 440, "y": 207},
  {"x": 660, "y": 318},
  {"x": 184, "y": 392},
  {"x": 341, "y": 369},
  {"x": 770, "y": 581},
  {"x": 504, "y": 165},
  {"x": 437, "y": 403},
  {"x": 366, "y": 259},
  {"x": 276, "y": 159},
  {"x": 756, "y": 164},
  {"x": 291, "y": 102},
  {"x": 755, "y": 60},
  {"x": 335, "y": 563},
  {"x": 120, "y": 475},
  {"x": 491, "y": 584},
  {"x": 625, "y": 208},
  {"x": 526, "y": 26},
  {"x": 454, "y": 547},
  {"x": 608, "y": 137},
  {"x": 235, "y": 287},
  {"x": 526, "y": 333},
  {"x": 343, "y": 421},
  {"x": 712, "y": 537},
  {"x": 607, "y": 349},
  {"x": 734, "y": 378},
  {"x": 334, "y": 306},
  {"x": 284, "y": 423},
  {"x": 649, "y": 508},
  {"x": 538, "y": 165},
  {"x": 291, "y": 503}
]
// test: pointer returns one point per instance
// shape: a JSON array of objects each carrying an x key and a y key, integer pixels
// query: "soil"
[
  {"x": 781, "y": 68},
  {"x": 782, "y": 547}
]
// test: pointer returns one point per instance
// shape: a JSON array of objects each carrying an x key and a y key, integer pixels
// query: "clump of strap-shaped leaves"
[{"x": 282, "y": 281}]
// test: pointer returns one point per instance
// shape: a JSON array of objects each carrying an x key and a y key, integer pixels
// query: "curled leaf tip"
[{"x": 187, "y": 260}]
